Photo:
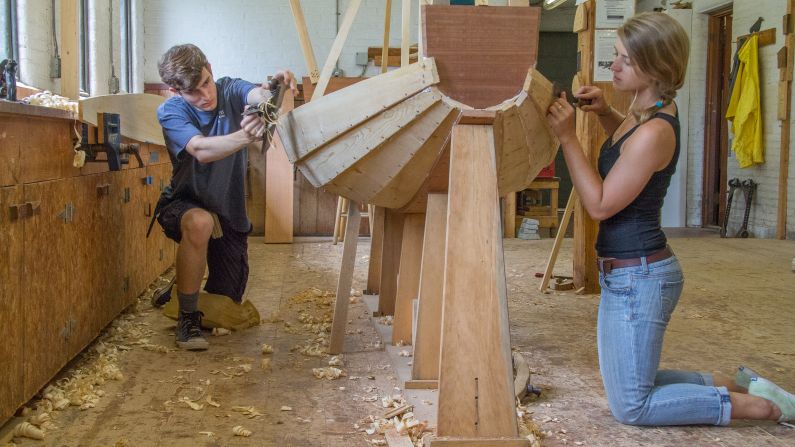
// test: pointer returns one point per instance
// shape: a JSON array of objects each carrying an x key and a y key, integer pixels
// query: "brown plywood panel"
[
  {"x": 482, "y": 54},
  {"x": 9, "y": 150},
  {"x": 12, "y": 317},
  {"x": 46, "y": 281},
  {"x": 45, "y": 149}
]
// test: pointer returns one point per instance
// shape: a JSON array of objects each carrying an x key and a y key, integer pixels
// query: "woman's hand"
[
  {"x": 560, "y": 117},
  {"x": 592, "y": 100}
]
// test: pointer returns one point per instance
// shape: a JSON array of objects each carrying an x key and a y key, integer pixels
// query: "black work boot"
[
  {"x": 162, "y": 294},
  {"x": 189, "y": 331}
]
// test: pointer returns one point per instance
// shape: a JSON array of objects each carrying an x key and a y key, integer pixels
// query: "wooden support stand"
[
  {"x": 408, "y": 277},
  {"x": 476, "y": 396},
  {"x": 376, "y": 250},
  {"x": 390, "y": 260},
  {"x": 425, "y": 369},
  {"x": 345, "y": 279}
]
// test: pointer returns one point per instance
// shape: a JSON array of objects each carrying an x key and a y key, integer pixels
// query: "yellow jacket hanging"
[{"x": 744, "y": 109}]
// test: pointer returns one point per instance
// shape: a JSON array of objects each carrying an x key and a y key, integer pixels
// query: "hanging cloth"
[{"x": 744, "y": 109}]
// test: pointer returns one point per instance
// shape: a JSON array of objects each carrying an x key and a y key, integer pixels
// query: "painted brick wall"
[
  {"x": 762, "y": 221},
  {"x": 35, "y": 43}
]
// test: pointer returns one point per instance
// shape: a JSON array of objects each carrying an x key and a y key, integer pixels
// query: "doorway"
[{"x": 716, "y": 132}]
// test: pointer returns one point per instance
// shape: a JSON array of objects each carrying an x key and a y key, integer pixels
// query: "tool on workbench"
[
  {"x": 268, "y": 110},
  {"x": 106, "y": 138},
  {"x": 734, "y": 184},
  {"x": 749, "y": 187},
  {"x": 8, "y": 79}
]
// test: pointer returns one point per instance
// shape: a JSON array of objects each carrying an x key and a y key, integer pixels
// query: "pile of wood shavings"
[{"x": 49, "y": 99}]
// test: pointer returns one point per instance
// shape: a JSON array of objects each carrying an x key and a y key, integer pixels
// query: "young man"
[{"x": 204, "y": 208}]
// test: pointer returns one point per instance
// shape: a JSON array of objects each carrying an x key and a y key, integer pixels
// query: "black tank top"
[{"x": 635, "y": 231}]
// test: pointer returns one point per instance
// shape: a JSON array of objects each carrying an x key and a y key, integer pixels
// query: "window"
[
  {"x": 83, "y": 54},
  {"x": 126, "y": 25},
  {"x": 8, "y": 28}
]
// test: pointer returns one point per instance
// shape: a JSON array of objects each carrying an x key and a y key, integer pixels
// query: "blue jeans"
[{"x": 636, "y": 305}]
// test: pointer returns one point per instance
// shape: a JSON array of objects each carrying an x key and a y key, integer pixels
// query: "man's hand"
[
  {"x": 286, "y": 77},
  {"x": 253, "y": 127}
]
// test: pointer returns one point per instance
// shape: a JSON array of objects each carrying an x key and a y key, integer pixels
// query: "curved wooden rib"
[
  {"x": 137, "y": 112},
  {"x": 523, "y": 141},
  {"x": 319, "y": 122},
  {"x": 391, "y": 175}
]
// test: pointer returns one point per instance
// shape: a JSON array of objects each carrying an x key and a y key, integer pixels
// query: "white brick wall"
[{"x": 35, "y": 43}]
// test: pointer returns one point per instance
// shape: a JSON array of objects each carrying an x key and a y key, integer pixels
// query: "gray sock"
[{"x": 188, "y": 302}]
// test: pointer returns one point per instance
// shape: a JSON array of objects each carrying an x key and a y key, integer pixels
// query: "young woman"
[{"x": 640, "y": 276}]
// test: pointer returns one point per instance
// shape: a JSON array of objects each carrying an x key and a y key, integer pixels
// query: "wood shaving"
[
  {"x": 249, "y": 412},
  {"x": 209, "y": 434},
  {"x": 336, "y": 361},
  {"x": 190, "y": 403},
  {"x": 265, "y": 364},
  {"x": 267, "y": 349},
  {"x": 405, "y": 353},
  {"x": 330, "y": 373},
  {"x": 28, "y": 430},
  {"x": 211, "y": 402},
  {"x": 238, "y": 430},
  {"x": 220, "y": 331},
  {"x": 286, "y": 408}
]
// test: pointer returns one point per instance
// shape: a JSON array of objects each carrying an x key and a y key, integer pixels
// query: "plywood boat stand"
[{"x": 438, "y": 166}]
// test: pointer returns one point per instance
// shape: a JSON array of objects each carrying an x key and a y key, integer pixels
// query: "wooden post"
[
  {"x": 303, "y": 37},
  {"x": 591, "y": 136},
  {"x": 390, "y": 260},
  {"x": 345, "y": 279},
  {"x": 279, "y": 187},
  {"x": 406, "y": 25},
  {"x": 408, "y": 283},
  {"x": 509, "y": 216},
  {"x": 476, "y": 395},
  {"x": 385, "y": 48},
  {"x": 785, "y": 95},
  {"x": 70, "y": 49},
  {"x": 429, "y": 318},
  {"x": 376, "y": 250},
  {"x": 336, "y": 48}
]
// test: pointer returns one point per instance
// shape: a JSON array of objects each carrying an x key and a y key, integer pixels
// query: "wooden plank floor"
[{"x": 738, "y": 308}]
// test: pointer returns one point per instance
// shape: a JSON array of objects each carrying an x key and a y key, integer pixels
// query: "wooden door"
[
  {"x": 716, "y": 134},
  {"x": 12, "y": 316},
  {"x": 46, "y": 279},
  {"x": 160, "y": 250}
]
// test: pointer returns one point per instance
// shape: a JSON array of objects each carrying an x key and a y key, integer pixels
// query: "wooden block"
[
  {"x": 422, "y": 384},
  {"x": 489, "y": 69},
  {"x": 580, "y": 18},
  {"x": 137, "y": 113},
  {"x": 408, "y": 277},
  {"x": 279, "y": 188},
  {"x": 509, "y": 216},
  {"x": 518, "y": 2},
  {"x": 306, "y": 44},
  {"x": 425, "y": 366},
  {"x": 783, "y": 104},
  {"x": 481, "y": 2},
  {"x": 766, "y": 37},
  {"x": 70, "y": 49},
  {"x": 476, "y": 397}
]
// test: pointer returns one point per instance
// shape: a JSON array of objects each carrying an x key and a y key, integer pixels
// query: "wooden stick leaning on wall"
[
  {"x": 385, "y": 48},
  {"x": 336, "y": 48},
  {"x": 784, "y": 115},
  {"x": 303, "y": 37},
  {"x": 553, "y": 255}
]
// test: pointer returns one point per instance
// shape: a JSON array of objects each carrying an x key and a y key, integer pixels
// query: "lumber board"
[
  {"x": 366, "y": 140},
  {"x": 509, "y": 216},
  {"x": 333, "y": 85},
  {"x": 429, "y": 318},
  {"x": 321, "y": 120},
  {"x": 553, "y": 255},
  {"x": 507, "y": 37},
  {"x": 279, "y": 187},
  {"x": 408, "y": 277},
  {"x": 376, "y": 249},
  {"x": 70, "y": 49},
  {"x": 784, "y": 114},
  {"x": 336, "y": 48},
  {"x": 137, "y": 111},
  {"x": 437, "y": 181},
  {"x": 390, "y": 261},
  {"x": 385, "y": 47},
  {"x": 405, "y": 24},
  {"x": 391, "y": 175},
  {"x": 422, "y": 384},
  {"x": 476, "y": 395},
  {"x": 306, "y": 43},
  {"x": 340, "y": 319}
]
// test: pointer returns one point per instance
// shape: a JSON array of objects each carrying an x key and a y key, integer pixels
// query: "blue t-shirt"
[{"x": 219, "y": 186}]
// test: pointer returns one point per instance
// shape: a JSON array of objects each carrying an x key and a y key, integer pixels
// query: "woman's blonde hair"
[{"x": 659, "y": 47}]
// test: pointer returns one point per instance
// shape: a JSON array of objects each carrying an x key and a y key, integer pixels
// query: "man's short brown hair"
[{"x": 181, "y": 66}]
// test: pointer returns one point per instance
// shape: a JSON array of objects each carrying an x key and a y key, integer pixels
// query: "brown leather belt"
[{"x": 606, "y": 265}]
